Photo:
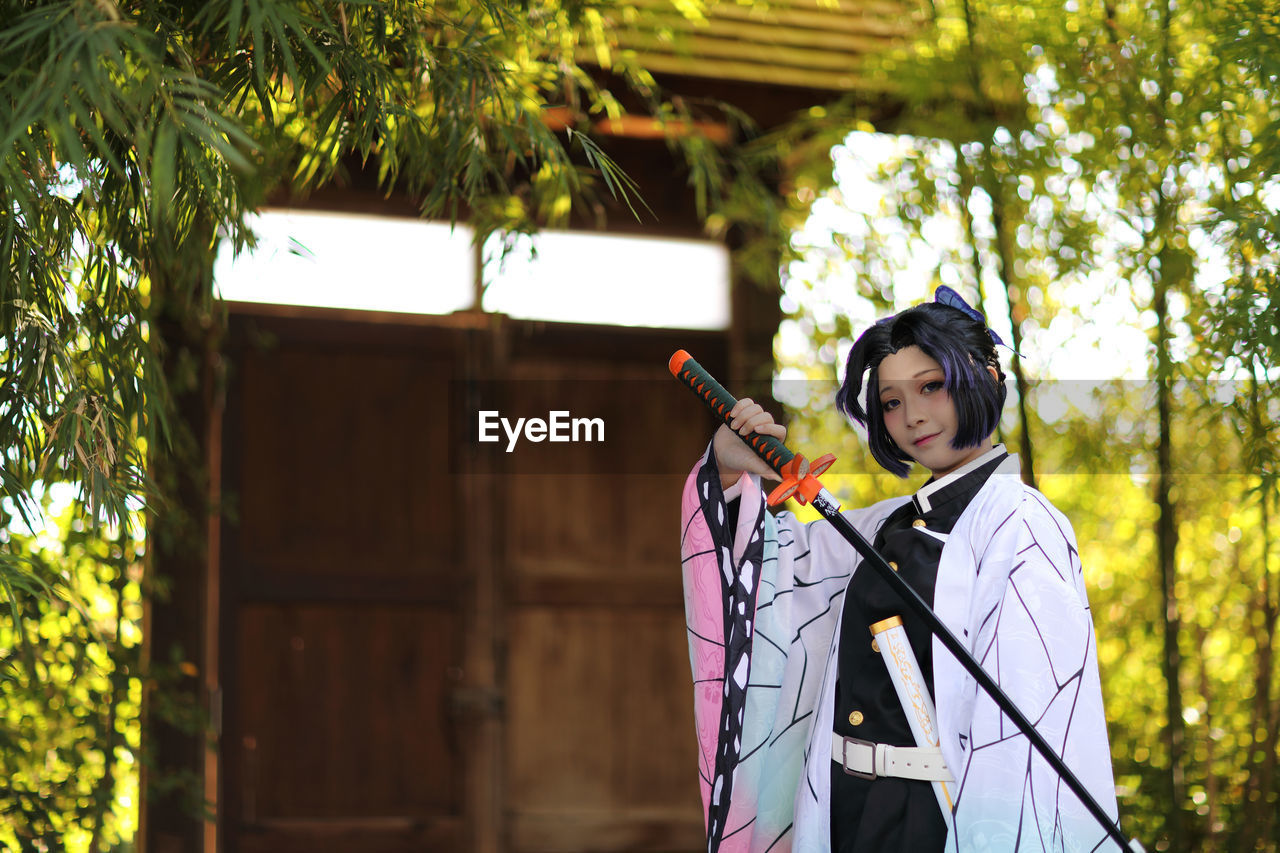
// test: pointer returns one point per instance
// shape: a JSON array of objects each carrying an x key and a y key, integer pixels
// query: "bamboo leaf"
[
  {"x": 619, "y": 184},
  {"x": 163, "y": 168}
]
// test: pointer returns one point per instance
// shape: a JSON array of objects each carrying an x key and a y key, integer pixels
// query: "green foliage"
[
  {"x": 136, "y": 135},
  {"x": 70, "y": 685}
]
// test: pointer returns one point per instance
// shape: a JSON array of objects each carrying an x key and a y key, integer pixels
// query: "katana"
[{"x": 799, "y": 481}]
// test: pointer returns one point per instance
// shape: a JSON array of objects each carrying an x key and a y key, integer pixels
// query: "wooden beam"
[
  {"x": 885, "y": 20},
  {"x": 644, "y": 127}
]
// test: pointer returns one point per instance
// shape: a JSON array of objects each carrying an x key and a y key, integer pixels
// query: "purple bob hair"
[{"x": 958, "y": 342}]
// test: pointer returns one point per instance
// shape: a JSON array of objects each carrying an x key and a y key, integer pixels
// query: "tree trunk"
[
  {"x": 1017, "y": 313},
  {"x": 1260, "y": 760},
  {"x": 1213, "y": 836},
  {"x": 967, "y": 186},
  {"x": 179, "y": 779},
  {"x": 1166, "y": 550},
  {"x": 1166, "y": 220},
  {"x": 1004, "y": 250}
]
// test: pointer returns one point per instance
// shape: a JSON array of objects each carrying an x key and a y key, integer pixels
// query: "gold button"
[
  {"x": 919, "y": 522},
  {"x": 875, "y": 647},
  {"x": 855, "y": 719},
  {"x": 893, "y": 565}
]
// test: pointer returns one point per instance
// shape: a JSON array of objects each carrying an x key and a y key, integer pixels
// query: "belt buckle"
[{"x": 844, "y": 757}]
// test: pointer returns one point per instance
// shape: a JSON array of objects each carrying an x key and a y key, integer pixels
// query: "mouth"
[{"x": 922, "y": 442}]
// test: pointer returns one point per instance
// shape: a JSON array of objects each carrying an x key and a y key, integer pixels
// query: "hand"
[{"x": 733, "y": 455}]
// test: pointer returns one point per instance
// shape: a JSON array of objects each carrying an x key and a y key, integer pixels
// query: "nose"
[{"x": 912, "y": 414}]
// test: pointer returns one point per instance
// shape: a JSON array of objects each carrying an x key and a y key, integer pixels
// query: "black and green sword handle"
[
  {"x": 804, "y": 486},
  {"x": 799, "y": 478}
]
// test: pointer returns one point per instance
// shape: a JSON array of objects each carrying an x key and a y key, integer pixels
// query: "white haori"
[{"x": 1010, "y": 587}]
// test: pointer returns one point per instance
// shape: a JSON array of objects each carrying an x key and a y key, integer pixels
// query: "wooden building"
[{"x": 414, "y": 641}]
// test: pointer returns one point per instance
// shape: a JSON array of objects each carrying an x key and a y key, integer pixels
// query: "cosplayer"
[{"x": 805, "y": 740}]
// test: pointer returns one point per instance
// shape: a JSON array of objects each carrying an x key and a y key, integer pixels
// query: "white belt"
[{"x": 867, "y": 760}]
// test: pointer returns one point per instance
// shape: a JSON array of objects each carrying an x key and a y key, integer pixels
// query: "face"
[{"x": 918, "y": 412}]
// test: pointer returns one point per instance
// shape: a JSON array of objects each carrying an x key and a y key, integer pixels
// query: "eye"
[
  {"x": 889, "y": 405},
  {"x": 930, "y": 387}
]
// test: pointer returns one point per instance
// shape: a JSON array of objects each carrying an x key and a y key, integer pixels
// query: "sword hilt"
[{"x": 799, "y": 478}]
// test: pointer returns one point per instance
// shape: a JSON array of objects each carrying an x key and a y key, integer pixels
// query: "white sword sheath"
[{"x": 908, "y": 681}]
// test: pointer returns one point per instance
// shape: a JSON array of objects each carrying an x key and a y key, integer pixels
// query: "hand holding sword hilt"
[{"x": 799, "y": 476}]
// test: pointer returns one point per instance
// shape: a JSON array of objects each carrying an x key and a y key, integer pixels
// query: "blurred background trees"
[
  {"x": 1101, "y": 178},
  {"x": 1117, "y": 217}
]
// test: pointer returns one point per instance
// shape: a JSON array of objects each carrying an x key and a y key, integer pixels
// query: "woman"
[{"x": 778, "y": 617}]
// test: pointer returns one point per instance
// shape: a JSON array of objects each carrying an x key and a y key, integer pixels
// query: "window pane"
[
  {"x": 626, "y": 281},
  {"x": 416, "y": 266},
  {"x": 344, "y": 261}
]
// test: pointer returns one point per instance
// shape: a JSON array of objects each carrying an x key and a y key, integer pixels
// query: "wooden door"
[
  {"x": 599, "y": 704},
  {"x": 429, "y": 643},
  {"x": 344, "y": 595}
]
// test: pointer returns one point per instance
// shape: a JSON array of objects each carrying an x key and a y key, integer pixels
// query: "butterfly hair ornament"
[{"x": 947, "y": 296}]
